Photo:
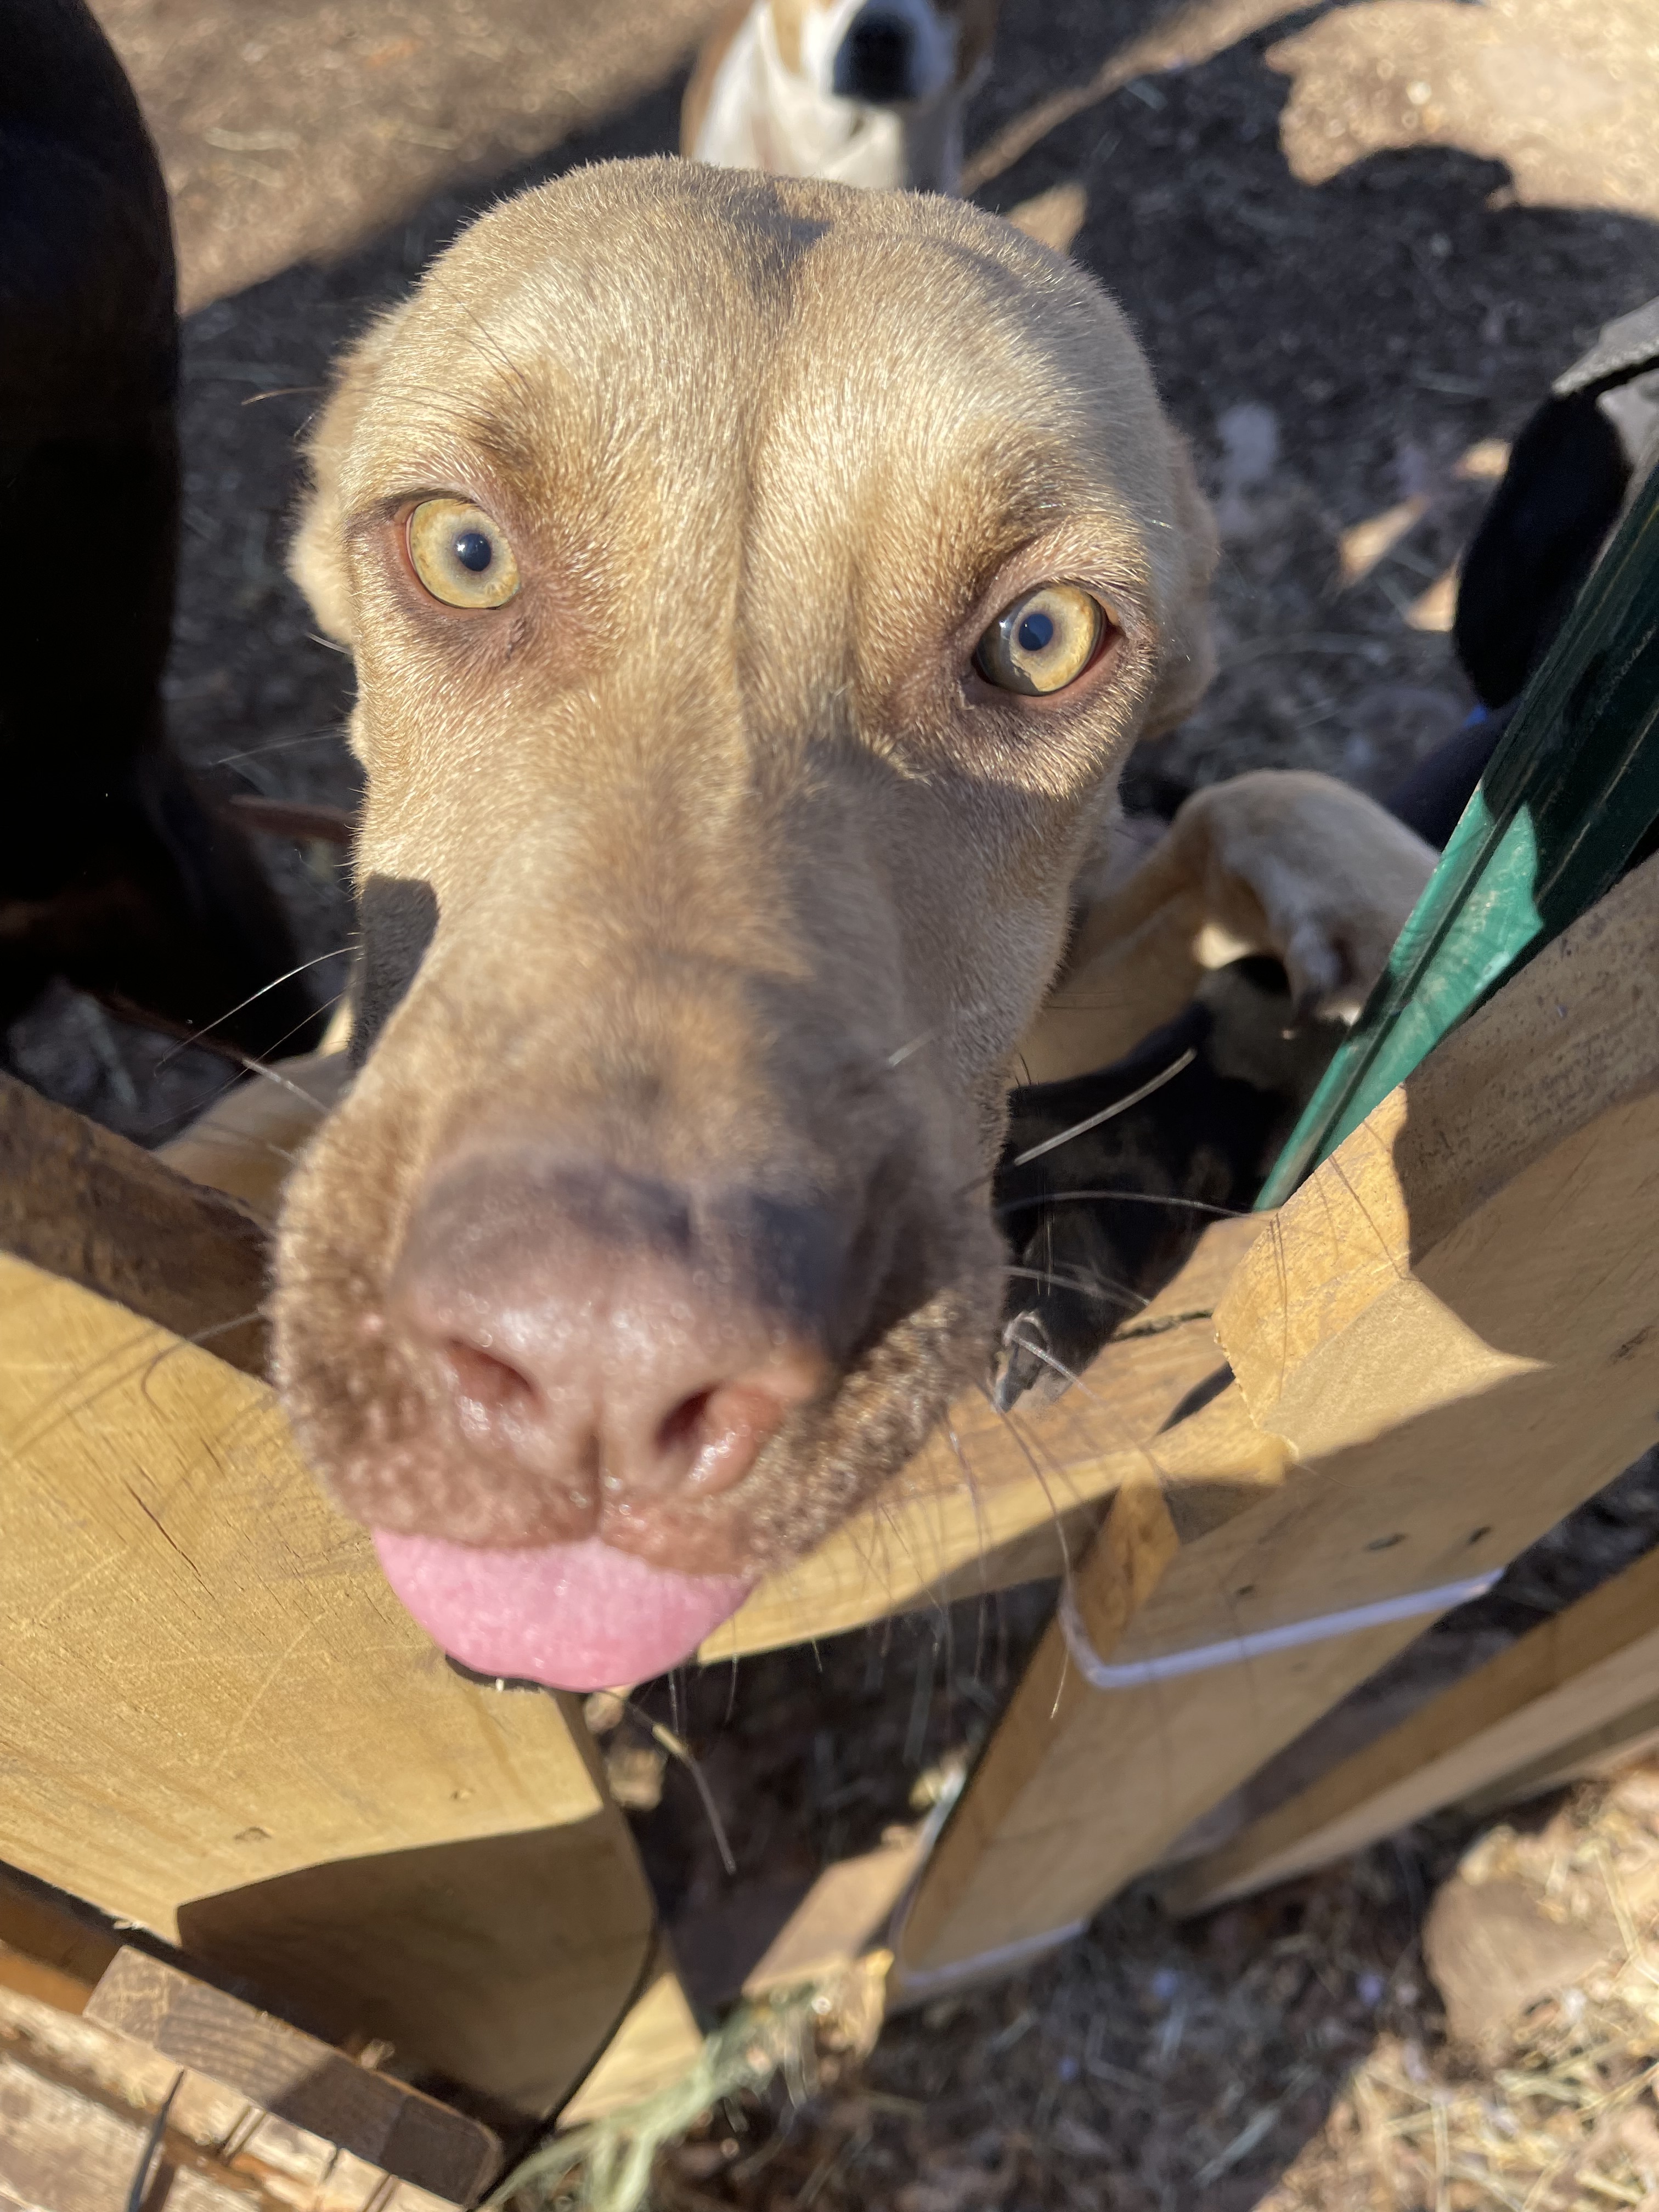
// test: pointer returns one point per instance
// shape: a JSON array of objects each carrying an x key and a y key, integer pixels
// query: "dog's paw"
[{"x": 1297, "y": 865}]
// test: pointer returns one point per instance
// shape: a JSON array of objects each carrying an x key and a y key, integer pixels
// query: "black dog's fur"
[
  {"x": 1101, "y": 1223},
  {"x": 115, "y": 872},
  {"x": 1560, "y": 495}
]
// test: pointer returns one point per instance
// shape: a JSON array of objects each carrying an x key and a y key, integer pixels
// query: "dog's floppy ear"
[
  {"x": 1188, "y": 659},
  {"x": 316, "y": 559}
]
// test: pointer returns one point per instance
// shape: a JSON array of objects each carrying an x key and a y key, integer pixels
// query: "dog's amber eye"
[
  {"x": 460, "y": 556},
  {"x": 1043, "y": 641}
]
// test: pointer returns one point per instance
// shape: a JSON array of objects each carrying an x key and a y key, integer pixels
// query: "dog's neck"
[{"x": 764, "y": 115}]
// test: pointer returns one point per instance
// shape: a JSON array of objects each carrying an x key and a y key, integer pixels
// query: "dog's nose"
[
  {"x": 877, "y": 59},
  {"x": 603, "y": 1341}
]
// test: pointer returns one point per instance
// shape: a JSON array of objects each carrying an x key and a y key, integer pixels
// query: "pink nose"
[{"x": 602, "y": 1344}]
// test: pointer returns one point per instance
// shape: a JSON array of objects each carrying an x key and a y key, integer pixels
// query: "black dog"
[{"x": 115, "y": 872}]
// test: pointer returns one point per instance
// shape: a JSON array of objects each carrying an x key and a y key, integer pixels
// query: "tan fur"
[
  {"x": 1281, "y": 861},
  {"x": 787, "y": 15},
  {"x": 741, "y": 875}
]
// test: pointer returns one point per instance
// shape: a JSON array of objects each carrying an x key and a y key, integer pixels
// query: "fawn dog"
[{"x": 754, "y": 586}]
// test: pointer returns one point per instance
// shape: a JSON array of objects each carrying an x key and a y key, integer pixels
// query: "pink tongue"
[{"x": 574, "y": 1616}]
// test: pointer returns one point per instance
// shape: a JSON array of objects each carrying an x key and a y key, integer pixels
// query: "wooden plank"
[
  {"x": 1599, "y": 1751},
  {"x": 90, "y": 1206},
  {"x": 71, "y": 2143},
  {"x": 295, "y": 2076},
  {"x": 843, "y": 1916},
  {"x": 246, "y": 1144},
  {"x": 220, "y": 1725},
  {"x": 657, "y": 2042},
  {"x": 998, "y": 1881},
  {"x": 47, "y": 1950},
  {"x": 1002, "y": 1498},
  {"x": 209, "y": 2128},
  {"x": 1533, "y": 1711},
  {"x": 62, "y": 2152},
  {"x": 1444, "y": 1344}
]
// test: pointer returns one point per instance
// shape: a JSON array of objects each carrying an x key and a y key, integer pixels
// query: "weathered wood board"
[
  {"x": 218, "y": 1724},
  {"x": 1448, "y": 1338},
  {"x": 657, "y": 2042},
  {"x": 1531, "y": 1713},
  {"x": 295, "y": 2076},
  {"x": 90, "y": 1206},
  {"x": 76, "y": 2103}
]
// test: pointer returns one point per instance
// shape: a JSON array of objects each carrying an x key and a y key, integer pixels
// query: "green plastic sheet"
[{"x": 1566, "y": 799}]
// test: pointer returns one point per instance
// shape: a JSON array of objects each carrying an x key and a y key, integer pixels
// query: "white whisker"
[
  {"x": 1128, "y": 1198},
  {"x": 196, "y": 1036},
  {"x": 898, "y": 1059},
  {"x": 1011, "y": 1336},
  {"x": 1102, "y": 1287},
  {"x": 1107, "y": 1113},
  {"x": 280, "y": 745}
]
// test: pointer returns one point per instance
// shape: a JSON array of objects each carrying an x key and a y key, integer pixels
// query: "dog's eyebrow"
[{"x": 454, "y": 412}]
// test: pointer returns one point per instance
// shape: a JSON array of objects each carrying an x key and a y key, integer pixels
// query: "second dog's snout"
[
  {"x": 877, "y": 59},
  {"x": 603, "y": 1344}
]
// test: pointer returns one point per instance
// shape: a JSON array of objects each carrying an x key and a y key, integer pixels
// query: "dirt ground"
[{"x": 1358, "y": 242}]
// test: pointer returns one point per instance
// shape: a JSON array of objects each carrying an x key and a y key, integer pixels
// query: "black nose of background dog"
[{"x": 876, "y": 60}]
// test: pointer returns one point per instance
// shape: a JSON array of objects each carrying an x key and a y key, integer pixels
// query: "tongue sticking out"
[{"x": 574, "y": 1616}]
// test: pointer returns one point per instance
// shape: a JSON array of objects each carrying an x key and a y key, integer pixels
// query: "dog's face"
[
  {"x": 884, "y": 54},
  {"x": 753, "y": 587}
]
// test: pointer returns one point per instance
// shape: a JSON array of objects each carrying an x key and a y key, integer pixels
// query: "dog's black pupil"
[
  {"x": 474, "y": 550},
  {"x": 1036, "y": 633}
]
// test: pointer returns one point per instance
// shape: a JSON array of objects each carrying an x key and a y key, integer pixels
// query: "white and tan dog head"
[
  {"x": 754, "y": 587},
  {"x": 863, "y": 92}
]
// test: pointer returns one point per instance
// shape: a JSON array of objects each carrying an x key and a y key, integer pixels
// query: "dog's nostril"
[
  {"x": 685, "y": 1429},
  {"x": 486, "y": 1387}
]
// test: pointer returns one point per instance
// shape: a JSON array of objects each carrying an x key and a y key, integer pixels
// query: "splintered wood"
[{"x": 76, "y": 2104}]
